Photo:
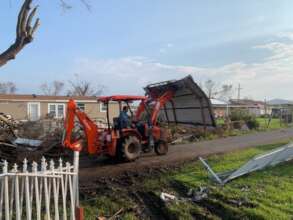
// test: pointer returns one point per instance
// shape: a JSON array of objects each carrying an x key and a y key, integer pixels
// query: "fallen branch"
[{"x": 120, "y": 211}]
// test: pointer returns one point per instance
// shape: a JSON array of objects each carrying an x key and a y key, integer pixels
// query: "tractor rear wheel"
[
  {"x": 131, "y": 148},
  {"x": 161, "y": 147}
]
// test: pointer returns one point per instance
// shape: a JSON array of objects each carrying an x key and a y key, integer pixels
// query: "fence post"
[
  {"x": 17, "y": 206},
  {"x": 37, "y": 193},
  {"x": 78, "y": 209},
  {"x": 27, "y": 191},
  {"x": 71, "y": 194},
  {"x": 63, "y": 193},
  {"x": 6, "y": 192},
  {"x": 55, "y": 193},
  {"x": 46, "y": 191}
]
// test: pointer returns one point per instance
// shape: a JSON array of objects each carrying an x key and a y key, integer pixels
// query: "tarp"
[{"x": 190, "y": 105}]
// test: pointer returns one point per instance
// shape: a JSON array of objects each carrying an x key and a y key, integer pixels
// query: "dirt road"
[{"x": 185, "y": 152}]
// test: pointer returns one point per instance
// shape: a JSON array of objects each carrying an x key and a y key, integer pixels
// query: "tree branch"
[{"x": 24, "y": 32}]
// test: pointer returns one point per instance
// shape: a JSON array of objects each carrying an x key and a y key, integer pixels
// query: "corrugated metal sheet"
[{"x": 259, "y": 162}]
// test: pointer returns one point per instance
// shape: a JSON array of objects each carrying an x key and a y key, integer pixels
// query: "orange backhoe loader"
[{"x": 142, "y": 135}]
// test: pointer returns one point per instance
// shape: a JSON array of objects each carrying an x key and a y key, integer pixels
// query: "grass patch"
[
  {"x": 266, "y": 194},
  {"x": 274, "y": 124},
  {"x": 220, "y": 121},
  {"x": 263, "y": 123}
]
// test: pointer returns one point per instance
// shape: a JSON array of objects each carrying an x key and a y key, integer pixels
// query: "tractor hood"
[{"x": 190, "y": 105}]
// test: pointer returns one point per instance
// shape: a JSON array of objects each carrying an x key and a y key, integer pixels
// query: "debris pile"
[
  {"x": 184, "y": 133},
  {"x": 199, "y": 194},
  {"x": 31, "y": 140},
  {"x": 194, "y": 194}
]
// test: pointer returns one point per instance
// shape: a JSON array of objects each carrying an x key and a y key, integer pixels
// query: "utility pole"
[{"x": 239, "y": 90}]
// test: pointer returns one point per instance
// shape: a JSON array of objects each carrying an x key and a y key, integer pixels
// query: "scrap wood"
[
  {"x": 182, "y": 138},
  {"x": 167, "y": 197},
  {"x": 113, "y": 217},
  {"x": 119, "y": 212},
  {"x": 7, "y": 144},
  {"x": 30, "y": 140}
]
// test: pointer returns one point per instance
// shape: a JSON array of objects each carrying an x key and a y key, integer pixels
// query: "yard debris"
[
  {"x": 198, "y": 195},
  {"x": 194, "y": 195},
  {"x": 119, "y": 212},
  {"x": 182, "y": 139},
  {"x": 31, "y": 140},
  {"x": 245, "y": 189},
  {"x": 28, "y": 142},
  {"x": 271, "y": 158},
  {"x": 167, "y": 197},
  {"x": 240, "y": 202}
]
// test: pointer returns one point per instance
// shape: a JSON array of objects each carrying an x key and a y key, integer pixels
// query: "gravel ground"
[{"x": 181, "y": 153}]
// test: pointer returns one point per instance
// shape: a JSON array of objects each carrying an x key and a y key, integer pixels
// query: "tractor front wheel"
[
  {"x": 131, "y": 148},
  {"x": 161, "y": 147}
]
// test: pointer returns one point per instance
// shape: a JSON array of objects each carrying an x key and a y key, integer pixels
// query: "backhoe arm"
[
  {"x": 140, "y": 109},
  {"x": 160, "y": 102},
  {"x": 89, "y": 127}
]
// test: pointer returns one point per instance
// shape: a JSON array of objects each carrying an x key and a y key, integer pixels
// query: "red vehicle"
[{"x": 143, "y": 135}]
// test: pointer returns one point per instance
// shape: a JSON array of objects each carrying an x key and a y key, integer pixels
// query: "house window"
[
  {"x": 56, "y": 110},
  {"x": 81, "y": 106},
  {"x": 103, "y": 107}
]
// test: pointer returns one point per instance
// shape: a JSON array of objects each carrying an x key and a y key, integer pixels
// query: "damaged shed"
[{"x": 189, "y": 105}]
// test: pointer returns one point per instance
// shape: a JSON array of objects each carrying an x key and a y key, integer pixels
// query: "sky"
[{"x": 124, "y": 45}]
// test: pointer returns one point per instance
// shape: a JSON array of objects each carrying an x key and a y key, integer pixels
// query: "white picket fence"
[{"x": 39, "y": 191}]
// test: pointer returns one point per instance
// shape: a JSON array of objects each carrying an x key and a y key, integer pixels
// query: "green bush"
[
  {"x": 239, "y": 115},
  {"x": 243, "y": 115},
  {"x": 252, "y": 123}
]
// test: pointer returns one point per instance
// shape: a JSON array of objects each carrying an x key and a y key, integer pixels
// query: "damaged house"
[{"x": 35, "y": 107}]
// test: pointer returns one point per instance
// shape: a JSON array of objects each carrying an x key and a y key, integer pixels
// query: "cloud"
[
  {"x": 270, "y": 78},
  {"x": 165, "y": 48},
  {"x": 286, "y": 35},
  {"x": 169, "y": 45}
]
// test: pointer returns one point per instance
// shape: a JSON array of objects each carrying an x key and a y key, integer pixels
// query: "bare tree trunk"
[{"x": 24, "y": 32}]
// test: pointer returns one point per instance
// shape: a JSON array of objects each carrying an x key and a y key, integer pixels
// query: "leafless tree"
[
  {"x": 210, "y": 87},
  {"x": 215, "y": 90},
  {"x": 26, "y": 27},
  {"x": 54, "y": 88},
  {"x": 84, "y": 88},
  {"x": 25, "y": 30},
  {"x": 225, "y": 93},
  {"x": 7, "y": 88}
]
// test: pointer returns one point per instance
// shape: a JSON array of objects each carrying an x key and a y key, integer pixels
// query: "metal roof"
[
  {"x": 121, "y": 98},
  {"x": 190, "y": 105},
  {"x": 218, "y": 102}
]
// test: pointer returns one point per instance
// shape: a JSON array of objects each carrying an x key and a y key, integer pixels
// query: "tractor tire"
[
  {"x": 131, "y": 148},
  {"x": 161, "y": 148}
]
